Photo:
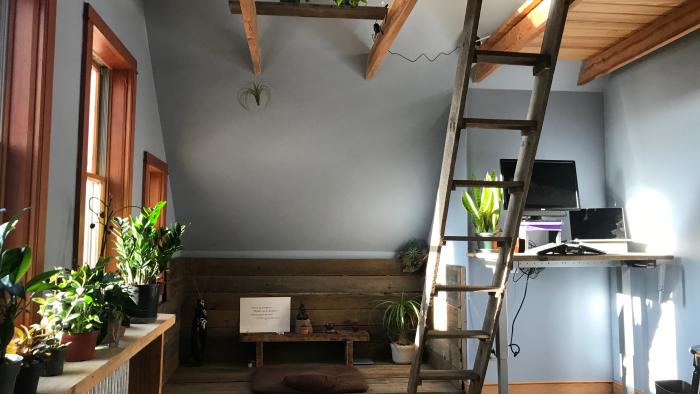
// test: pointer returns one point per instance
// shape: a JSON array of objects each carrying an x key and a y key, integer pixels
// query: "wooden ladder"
[{"x": 543, "y": 64}]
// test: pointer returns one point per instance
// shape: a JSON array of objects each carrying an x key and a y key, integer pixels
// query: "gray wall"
[
  {"x": 566, "y": 311},
  {"x": 652, "y": 134},
  {"x": 126, "y": 19},
  {"x": 335, "y": 165}
]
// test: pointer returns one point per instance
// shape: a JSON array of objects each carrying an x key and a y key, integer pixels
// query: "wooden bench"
[{"x": 349, "y": 337}]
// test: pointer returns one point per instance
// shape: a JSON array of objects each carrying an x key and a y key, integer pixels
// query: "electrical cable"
[
  {"x": 527, "y": 273},
  {"x": 378, "y": 29}
]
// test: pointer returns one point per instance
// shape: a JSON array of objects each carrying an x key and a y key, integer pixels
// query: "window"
[
  {"x": 155, "y": 183},
  {"x": 106, "y": 137}
]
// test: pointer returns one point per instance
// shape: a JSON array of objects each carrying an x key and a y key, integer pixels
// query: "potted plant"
[
  {"x": 14, "y": 264},
  {"x": 116, "y": 298},
  {"x": 400, "y": 319},
  {"x": 51, "y": 338},
  {"x": 484, "y": 208},
  {"x": 349, "y": 3},
  {"x": 143, "y": 250},
  {"x": 413, "y": 255},
  {"x": 32, "y": 345},
  {"x": 74, "y": 301}
]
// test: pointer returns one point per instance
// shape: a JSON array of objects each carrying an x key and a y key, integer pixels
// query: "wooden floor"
[{"x": 228, "y": 379}]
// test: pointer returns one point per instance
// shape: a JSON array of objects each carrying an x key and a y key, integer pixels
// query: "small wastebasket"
[{"x": 673, "y": 387}]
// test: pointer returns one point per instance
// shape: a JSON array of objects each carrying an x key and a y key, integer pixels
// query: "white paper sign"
[{"x": 266, "y": 314}]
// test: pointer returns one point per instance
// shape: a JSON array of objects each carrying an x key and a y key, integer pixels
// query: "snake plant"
[{"x": 484, "y": 205}]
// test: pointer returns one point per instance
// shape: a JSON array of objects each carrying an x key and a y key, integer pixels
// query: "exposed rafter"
[
  {"x": 312, "y": 10},
  {"x": 515, "y": 34},
  {"x": 664, "y": 30},
  {"x": 398, "y": 12},
  {"x": 250, "y": 25}
]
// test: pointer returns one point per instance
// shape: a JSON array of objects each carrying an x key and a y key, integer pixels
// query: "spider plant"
[
  {"x": 400, "y": 317},
  {"x": 484, "y": 205},
  {"x": 257, "y": 90}
]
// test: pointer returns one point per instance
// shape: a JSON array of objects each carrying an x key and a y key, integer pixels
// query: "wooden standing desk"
[
  {"x": 624, "y": 262},
  {"x": 141, "y": 347}
]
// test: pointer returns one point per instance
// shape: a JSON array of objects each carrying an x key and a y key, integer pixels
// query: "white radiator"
[{"x": 116, "y": 383}]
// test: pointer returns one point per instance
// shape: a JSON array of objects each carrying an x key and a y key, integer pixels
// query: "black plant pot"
[
  {"x": 54, "y": 365},
  {"x": 146, "y": 299},
  {"x": 28, "y": 378},
  {"x": 8, "y": 375}
]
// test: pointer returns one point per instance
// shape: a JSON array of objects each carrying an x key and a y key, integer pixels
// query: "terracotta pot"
[{"x": 81, "y": 347}]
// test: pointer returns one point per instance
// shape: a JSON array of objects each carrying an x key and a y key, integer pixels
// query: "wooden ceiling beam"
[
  {"x": 662, "y": 31},
  {"x": 311, "y": 10},
  {"x": 250, "y": 25},
  {"x": 398, "y": 12},
  {"x": 517, "y": 33}
]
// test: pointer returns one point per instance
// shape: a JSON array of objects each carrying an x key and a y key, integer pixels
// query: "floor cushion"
[{"x": 337, "y": 379}]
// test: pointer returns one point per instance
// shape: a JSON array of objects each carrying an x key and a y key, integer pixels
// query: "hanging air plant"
[{"x": 258, "y": 92}]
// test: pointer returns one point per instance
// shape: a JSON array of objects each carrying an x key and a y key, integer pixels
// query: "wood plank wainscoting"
[{"x": 335, "y": 291}]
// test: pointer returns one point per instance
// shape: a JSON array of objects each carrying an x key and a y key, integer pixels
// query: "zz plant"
[
  {"x": 484, "y": 206},
  {"x": 143, "y": 248}
]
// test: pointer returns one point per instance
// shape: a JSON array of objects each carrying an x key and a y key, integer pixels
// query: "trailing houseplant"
[
  {"x": 400, "y": 319},
  {"x": 143, "y": 251},
  {"x": 484, "y": 208},
  {"x": 14, "y": 264},
  {"x": 413, "y": 255}
]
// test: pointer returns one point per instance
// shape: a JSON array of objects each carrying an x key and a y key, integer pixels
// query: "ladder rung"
[
  {"x": 502, "y": 124},
  {"x": 468, "y": 288},
  {"x": 541, "y": 61},
  {"x": 448, "y": 374},
  {"x": 500, "y": 240},
  {"x": 472, "y": 334},
  {"x": 512, "y": 185}
]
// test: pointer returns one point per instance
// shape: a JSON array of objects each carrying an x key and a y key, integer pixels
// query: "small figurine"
[
  {"x": 330, "y": 328},
  {"x": 302, "y": 325}
]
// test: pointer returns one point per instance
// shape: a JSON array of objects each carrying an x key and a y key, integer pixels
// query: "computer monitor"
[
  {"x": 598, "y": 223},
  {"x": 554, "y": 185}
]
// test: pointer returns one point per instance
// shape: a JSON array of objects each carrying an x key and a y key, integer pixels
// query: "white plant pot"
[{"x": 402, "y": 354}]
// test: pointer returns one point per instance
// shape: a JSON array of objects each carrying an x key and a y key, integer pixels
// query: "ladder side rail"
[
  {"x": 523, "y": 172},
  {"x": 462, "y": 79}
]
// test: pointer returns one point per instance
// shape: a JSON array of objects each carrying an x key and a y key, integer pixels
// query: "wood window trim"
[
  {"x": 151, "y": 163},
  {"x": 26, "y": 124},
  {"x": 101, "y": 43}
]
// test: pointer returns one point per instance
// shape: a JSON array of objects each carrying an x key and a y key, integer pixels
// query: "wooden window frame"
[
  {"x": 26, "y": 123},
  {"x": 101, "y": 43},
  {"x": 151, "y": 162}
]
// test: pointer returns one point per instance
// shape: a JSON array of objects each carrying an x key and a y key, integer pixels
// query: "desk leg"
[
  {"x": 146, "y": 369},
  {"x": 349, "y": 352},
  {"x": 625, "y": 308},
  {"x": 258, "y": 354},
  {"x": 502, "y": 348}
]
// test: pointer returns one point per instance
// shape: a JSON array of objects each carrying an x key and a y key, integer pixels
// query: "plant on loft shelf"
[
  {"x": 484, "y": 208},
  {"x": 399, "y": 320},
  {"x": 349, "y": 3},
  {"x": 144, "y": 250},
  {"x": 413, "y": 255},
  {"x": 257, "y": 92}
]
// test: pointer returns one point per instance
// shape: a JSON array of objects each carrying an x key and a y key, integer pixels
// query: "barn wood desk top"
[{"x": 80, "y": 377}]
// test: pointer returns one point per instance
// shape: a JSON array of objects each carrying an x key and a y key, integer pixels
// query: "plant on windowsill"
[
  {"x": 143, "y": 251},
  {"x": 34, "y": 346},
  {"x": 400, "y": 319},
  {"x": 74, "y": 302},
  {"x": 14, "y": 264},
  {"x": 484, "y": 208},
  {"x": 413, "y": 255},
  {"x": 349, "y": 3}
]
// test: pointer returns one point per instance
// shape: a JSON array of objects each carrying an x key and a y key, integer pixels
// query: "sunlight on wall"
[
  {"x": 649, "y": 215},
  {"x": 662, "y": 352},
  {"x": 539, "y": 15},
  {"x": 447, "y": 256}
]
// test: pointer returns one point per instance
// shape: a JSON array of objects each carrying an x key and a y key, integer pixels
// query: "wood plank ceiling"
[{"x": 594, "y": 26}]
